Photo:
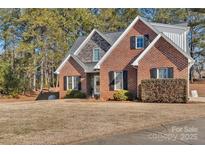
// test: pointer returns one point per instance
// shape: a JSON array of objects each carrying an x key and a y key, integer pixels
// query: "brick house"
[{"x": 101, "y": 63}]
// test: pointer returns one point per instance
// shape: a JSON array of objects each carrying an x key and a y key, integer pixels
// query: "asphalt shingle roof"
[
  {"x": 89, "y": 67},
  {"x": 77, "y": 43},
  {"x": 113, "y": 36}
]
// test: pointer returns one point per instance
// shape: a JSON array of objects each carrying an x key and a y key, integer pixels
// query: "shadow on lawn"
[{"x": 46, "y": 95}]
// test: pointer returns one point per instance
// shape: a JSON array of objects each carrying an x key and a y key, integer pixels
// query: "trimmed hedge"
[
  {"x": 164, "y": 90},
  {"x": 75, "y": 94},
  {"x": 122, "y": 95}
]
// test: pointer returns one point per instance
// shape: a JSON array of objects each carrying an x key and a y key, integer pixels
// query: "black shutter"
[
  {"x": 170, "y": 72},
  {"x": 153, "y": 73},
  {"x": 65, "y": 82},
  {"x": 132, "y": 42},
  {"x": 111, "y": 80},
  {"x": 79, "y": 82},
  {"x": 146, "y": 40},
  {"x": 125, "y": 80}
]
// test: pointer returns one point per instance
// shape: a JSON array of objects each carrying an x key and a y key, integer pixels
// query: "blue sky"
[{"x": 1, "y": 47}]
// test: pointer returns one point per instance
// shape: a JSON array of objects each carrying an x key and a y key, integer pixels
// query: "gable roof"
[
  {"x": 157, "y": 28},
  {"x": 114, "y": 38},
  {"x": 84, "y": 42},
  {"x": 87, "y": 67},
  {"x": 169, "y": 28},
  {"x": 79, "y": 44},
  {"x": 121, "y": 37},
  {"x": 76, "y": 44},
  {"x": 136, "y": 62}
]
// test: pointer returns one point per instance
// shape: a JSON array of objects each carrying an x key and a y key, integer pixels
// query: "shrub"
[
  {"x": 164, "y": 90},
  {"x": 122, "y": 95},
  {"x": 75, "y": 94},
  {"x": 14, "y": 94}
]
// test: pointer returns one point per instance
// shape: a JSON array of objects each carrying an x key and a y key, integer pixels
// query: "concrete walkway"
[
  {"x": 186, "y": 132},
  {"x": 197, "y": 99}
]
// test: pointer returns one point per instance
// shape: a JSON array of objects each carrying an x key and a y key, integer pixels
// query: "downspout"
[{"x": 190, "y": 64}]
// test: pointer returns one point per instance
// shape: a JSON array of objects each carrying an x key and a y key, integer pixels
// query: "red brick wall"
[
  {"x": 163, "y": 54},
  {"x": 71, "y": 68},
  {"x": 121, "y": 58}
]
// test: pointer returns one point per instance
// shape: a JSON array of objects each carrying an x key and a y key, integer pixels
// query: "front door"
[{"x": 96, "y": 84}]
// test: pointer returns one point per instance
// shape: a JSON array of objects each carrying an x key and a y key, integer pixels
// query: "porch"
[{"x": 93, "y": 84}]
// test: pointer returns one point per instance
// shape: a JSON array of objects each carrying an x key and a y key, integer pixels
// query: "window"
[
  {"x": 140, "y": 42},
  {"x": 96, "y": 54},
  {"x": 75, "y": 83},
  {"x": 72, "y": 82},
  {"x": 118, "y": 76},
  {"x": 163, "y": 73}
]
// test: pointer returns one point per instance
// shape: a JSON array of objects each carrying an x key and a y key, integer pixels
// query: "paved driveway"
[
  {"x": 197, "y": 99},
  {"x": 186, "y": 132}
]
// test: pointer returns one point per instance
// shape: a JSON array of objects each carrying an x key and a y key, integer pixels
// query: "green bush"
[
  {"x": 75, "y": 94},
  {"x": 122, "y": 95},
  {"x": 164, "y": 90},
  {"x": 14, "y": 94}
]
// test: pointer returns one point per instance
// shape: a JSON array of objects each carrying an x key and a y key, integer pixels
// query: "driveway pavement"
[
  {"x": 186, "y": 132},
  {"x": 197, "y": 99}
]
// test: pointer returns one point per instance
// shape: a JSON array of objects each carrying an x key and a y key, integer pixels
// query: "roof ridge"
[
  {"x": 169, "y": 25},
  {"x": 121, "y": 36},
  {"x": 107, "y": 39}
]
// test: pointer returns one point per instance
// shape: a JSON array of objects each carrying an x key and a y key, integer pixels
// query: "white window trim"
[
  {"x": 167, "y": 71},
  {"x": 115, "y": 88},
  {"x": 73, "y": 83},
  {"x": 94, "y": 60},
  {"x": 95, "y": 92},
  {"x": 136, "y": 42}
]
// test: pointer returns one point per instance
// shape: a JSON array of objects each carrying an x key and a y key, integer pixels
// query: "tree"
[
  {"x": 170, "y": 16},
  {"x": 34, "y": 41},
  {"x": 197, "y": 29}
]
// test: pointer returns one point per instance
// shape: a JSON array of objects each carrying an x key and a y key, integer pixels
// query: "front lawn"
[{"x": 62, "y": 122}]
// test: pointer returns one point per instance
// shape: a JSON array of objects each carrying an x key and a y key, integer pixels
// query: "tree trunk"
[
  {"x": 53, "y": 77},
  {"x": 34, "y": 74},
  {"x": 34, "y": 81},
  {"x": 57, "y": 80},
  {"x": 41, "y": 84}
]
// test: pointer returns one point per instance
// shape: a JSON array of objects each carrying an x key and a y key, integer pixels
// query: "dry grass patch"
[{"x": 58, "y": 122}]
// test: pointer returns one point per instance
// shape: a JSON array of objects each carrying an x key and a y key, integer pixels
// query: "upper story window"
[
  {"x": 139, "y": 42},
  {"x": 96, "y": 54}
]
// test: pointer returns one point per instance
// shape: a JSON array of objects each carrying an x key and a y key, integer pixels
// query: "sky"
[{"x": 1, "y": 47}]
